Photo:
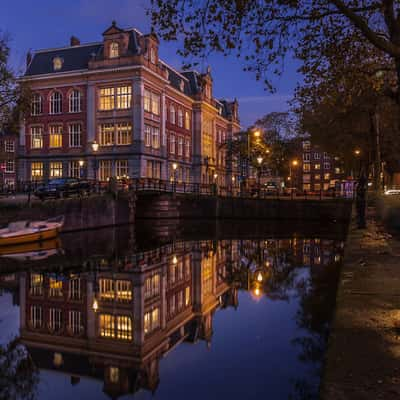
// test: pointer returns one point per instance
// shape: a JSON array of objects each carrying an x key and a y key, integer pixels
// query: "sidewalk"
[{"x": 363, "y": 357}]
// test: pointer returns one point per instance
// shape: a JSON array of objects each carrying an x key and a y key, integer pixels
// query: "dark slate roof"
[
  {"x": 192, "y": 76},
  {"x": 74, "y": 58},
  {"x": 176, "y": 79}
]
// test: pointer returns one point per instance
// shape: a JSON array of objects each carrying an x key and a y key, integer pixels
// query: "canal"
[{"x": 170, "y": 313}]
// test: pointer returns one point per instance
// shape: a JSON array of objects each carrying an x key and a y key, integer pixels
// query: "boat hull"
[{"x": 30, "y": 237}]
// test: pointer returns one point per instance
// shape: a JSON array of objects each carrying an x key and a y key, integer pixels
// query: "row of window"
[
  {"x": 179, "y": 145},
  {"x": 179, "y": 118},
  {"x": 55, "y": 286},
  {"x": 56, "y": 103},
  {"x": 55, "y": 323},
  {"x": 9, "y": 166},
  {"x": 178, "y": 301},
  {"x": 307, "y": 166},
  {"x": 56, "y": 136},
  {"x": 316, "y": 186},
  {"x": 115, "y": 133},
  {"x": 317, "y": 177},
  {"x": 115, "y": 98},
  {"x": 115, "y": 290},
  {"x": 317, "y": 156}
]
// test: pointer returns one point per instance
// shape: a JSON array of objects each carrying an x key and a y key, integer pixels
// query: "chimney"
[
  {"x": 75, "y": 41},
  {"x": 28, "y": 58}
]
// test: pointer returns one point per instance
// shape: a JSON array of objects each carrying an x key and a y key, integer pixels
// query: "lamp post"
[
  {"x": 81, "y": 164},
  {"x": 174, "y": 168},
  {"x": 292, "y": 164},
  {"x": 95, "y": 149},
  {"x": 259, "y": 161}
]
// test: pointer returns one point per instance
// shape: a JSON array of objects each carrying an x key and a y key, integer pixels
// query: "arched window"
[
  {"x": 36, "y": 104},
  {"x": 114, "y": 50},
  {"x": 180, "y": 118},
  {"x": 173, "y": 115},
  {"x": 56, "y": 103},
  {"x": 75, "y": 98},
  {"x": 187, "y": 120}
]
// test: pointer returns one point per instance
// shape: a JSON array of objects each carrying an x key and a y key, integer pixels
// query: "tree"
[
  {"x": 14, "y": 97},
  {"x": 345, "y": 104},
  {"x": 263, "y": 33}
]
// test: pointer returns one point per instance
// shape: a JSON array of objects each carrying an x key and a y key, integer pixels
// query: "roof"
[{"x": 74, "y": 58}]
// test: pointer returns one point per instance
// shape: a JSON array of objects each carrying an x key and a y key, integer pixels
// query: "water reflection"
[{"x": 115, "y": 318}]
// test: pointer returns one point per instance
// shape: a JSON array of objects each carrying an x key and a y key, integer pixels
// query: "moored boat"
[{"x": 30, "y": 231}]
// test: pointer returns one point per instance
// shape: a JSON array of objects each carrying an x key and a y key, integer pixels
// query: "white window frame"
[
  {"x": 36, "y": 104},
  {"x": 55, "y": 103},
  {"x": 114, "y": 50},
  {"x": 9, "y": 146},
  {"x": 75, "y": 101},
  {"x": 36, "y": 137},
  {"x": 10, "y": 167},
  {"x": 75, "y": 134}
]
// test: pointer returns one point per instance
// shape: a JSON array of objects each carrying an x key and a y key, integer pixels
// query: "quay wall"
[{"x": 105, "y": 210}]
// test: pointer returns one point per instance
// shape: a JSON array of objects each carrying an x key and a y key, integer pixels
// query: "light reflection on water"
[{"x": 207, "y": 319}]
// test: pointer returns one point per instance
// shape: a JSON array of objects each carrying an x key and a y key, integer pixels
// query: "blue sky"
[{"x": 47, "y": 23}]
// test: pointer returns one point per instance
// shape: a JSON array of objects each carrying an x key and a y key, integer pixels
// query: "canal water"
[{"x": 101, "y": 315}]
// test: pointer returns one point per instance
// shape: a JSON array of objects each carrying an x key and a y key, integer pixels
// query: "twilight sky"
[{"x": 43, "y": 24}]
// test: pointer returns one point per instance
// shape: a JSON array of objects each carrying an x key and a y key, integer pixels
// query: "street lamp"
[
  {"x": 294, "y": 164},
  {"x": 81, "y": 164},
  {"x": 174, "y": 167},
  {"x": 259, "y": 161},
  {"x": 95, "y": 149}
]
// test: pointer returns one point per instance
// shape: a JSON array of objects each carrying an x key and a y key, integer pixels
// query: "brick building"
[
  {"x": 316, "y": 170},
  {"x": 144, "y": 115},
  {"x": 8, "y": 162}
]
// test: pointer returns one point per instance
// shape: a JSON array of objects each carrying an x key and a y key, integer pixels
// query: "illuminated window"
[
  {"x": 306, "y": 186},
  {"x": 187, "y": 120},
  {"x": 56, "y": 169},
  {"x": 152, "y": 286},
  {"x": 36, "y": 170},
  {"x": 124, "y": 97},
  {"x": 36, "y": 285},
  {"x": 10, "y": 166},
  {"x": 56, "y": 103},
  {"x": 124, "y": 327},
  {"x": 123, "y": 291},
  {"x": 75, "y": 325},
  {"x": 317, "y": 166},
  {"x": 106, "y": 287},
  {"x": 55, "y": 319},
  {"x": 106, "y": 134},
  {"x": 105, "y": 170},
  {"x": 155, "y": 137},
  {"x": 317, "y": 186},
  {"x": 114, "y": 50},
  {"x": 55, "y": 133},
  {"x": 172, "y": 305},
  {"x": 36, "y": 319},
  {"x": 172, "y": 114},
  {"x": 151, "y": 320},
  {"x": 57, "y": 63},
  {"x": 337, "y": 170},
  {"x": 172, "y": 144},
  {"x": 75, "y": 100},
  {"x": 124, "y": 133},
  {"x": 75, "y": 135},
  {"x": 180, "y": 118},
  {"x": 107, "y": 325},
  {"x": 327, "y": 176},
  {"x": 36, "y": 137},
  {"x": 36, "y": 104},
  {"x": 106, "y": 99},
  {"x": 306, "y": 178},
  {"x": 155, "y": 104},
  {"x": 55, "y": 286},
  {"x": 187, "y": 148},
  {"x": 74, "y": 170},
  {"x": 75, "y": 288},
  {"x": 147, "y": 135},
  {"x": 122, "y": 168},
  {"x": 172, "y": 273},
  {"x": 180, "y": 300},
  {"x": 113, "y": 374},
  {"x": 207, "y": 276},
  {"x": 180, "y": 146},
  {"x": 147, "y": 100},
  {"x": 187, "y": 296},
  {"x": 326, "y": 186},
  {"x": 153, "y": 169},
  {"x": 9, "y": 146},
  {"x": 317, "y": 177}
]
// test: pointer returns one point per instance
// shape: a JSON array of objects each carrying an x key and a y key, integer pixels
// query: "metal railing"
[{"x": 161, "y": 186}]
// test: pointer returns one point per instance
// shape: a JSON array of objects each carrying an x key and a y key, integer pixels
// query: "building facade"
[
  {"x": 149, "y": 120},
  {"x": 316, "y": 170},
  {"x": 8, "y": 162}
]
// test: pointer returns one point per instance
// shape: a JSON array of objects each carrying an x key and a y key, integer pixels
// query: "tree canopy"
[{"x": 263, "y": 33}]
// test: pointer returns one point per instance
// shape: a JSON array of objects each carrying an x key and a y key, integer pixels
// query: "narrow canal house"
[
  {"x": 145, "y": 116},
  {"x": 8, "y": 163},
  {"x": 143, "y": 310}
]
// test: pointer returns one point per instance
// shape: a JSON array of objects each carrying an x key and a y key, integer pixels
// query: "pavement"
[{"x": 363, "y": 357}]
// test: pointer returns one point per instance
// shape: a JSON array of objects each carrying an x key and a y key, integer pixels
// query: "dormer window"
[
  {"x": 114, "y": 50},
  {"x": 57, "y": 63},
  {"x": 182, "y": 85}
]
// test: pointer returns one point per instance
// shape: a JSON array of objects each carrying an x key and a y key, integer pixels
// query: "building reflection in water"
[{"x": 116, "y": 320}]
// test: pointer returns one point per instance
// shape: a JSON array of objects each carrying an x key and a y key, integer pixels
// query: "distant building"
[
  {"x": 148, "y": 119},
  {"x": 316, "y": 170},
  {"x": 8, "y": 163}
]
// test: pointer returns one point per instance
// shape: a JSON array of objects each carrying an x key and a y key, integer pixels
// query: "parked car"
[
  {"x": 63, "y": 187},
  {"x": 392, "y": 192}
]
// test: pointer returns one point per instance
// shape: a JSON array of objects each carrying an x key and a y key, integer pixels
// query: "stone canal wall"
[{"x": 102, "y": 211}]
